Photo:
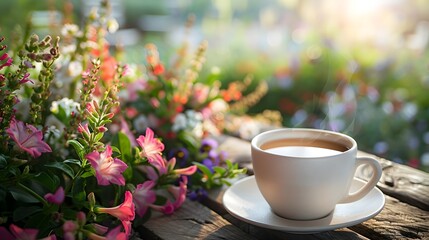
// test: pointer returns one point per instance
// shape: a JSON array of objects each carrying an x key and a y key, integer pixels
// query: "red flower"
[
  {"x": 28, "y": 138},
  {"x": 158, "y": 69}
]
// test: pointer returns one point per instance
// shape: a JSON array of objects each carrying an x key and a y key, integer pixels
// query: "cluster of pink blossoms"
[{"x": 109, "y": 170}]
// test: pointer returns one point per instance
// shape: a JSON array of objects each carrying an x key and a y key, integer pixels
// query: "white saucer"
[{"x": 244, "y": 201}]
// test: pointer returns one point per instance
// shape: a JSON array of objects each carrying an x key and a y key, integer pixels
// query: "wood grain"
[
  {"x": 397, "y": 220},
  {"x": 191, "y": 221}
]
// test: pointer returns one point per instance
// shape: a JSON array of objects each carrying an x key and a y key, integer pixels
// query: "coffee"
[
  {"x": 309, "y": 186},
  {"x": 302, "y": 147}
]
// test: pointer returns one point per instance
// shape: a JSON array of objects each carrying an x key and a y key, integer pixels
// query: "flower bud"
[
  {"x": 81, "y": 218},
  {"x": 33, "y": 39},
  {"x": 91, "y": 200},
  {"x": 102, "y": 129}
]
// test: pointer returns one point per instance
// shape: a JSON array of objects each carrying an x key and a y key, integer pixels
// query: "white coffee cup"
[{"x": 303, "y": 173}]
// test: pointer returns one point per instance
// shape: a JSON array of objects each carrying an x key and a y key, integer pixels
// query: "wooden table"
[{"x": 404, "y": 216}]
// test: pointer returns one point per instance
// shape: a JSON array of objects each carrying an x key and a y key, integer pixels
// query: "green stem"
[{"x": 34, "y": 194}]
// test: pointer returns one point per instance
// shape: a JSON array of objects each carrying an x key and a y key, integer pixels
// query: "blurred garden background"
[{"x": 358, "y": 67}]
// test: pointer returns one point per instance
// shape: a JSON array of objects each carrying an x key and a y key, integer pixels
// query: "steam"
[
  {"x": 341, "y": 104},
  {"x": 341, "y": 109}
]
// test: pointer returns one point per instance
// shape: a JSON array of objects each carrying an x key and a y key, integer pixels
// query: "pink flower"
[
  {"x": 107, "y": 169},
  {"x": 201, "y": 93},
  {"x": 179, "y": 193},
  {"x": 151, "y": 147},
  {"x": 57, "y": 197},
  {"x": 143, "y": 196},
  {"x": 25, "y": 79},
  {"x": 126, "y": 130},
  {"x": 127, "y": 228},
  {"x": 167, "y": 208},
  {"x": 167, "y": 168},
  {"x": 18, "y": 233},
  {"x": 69, "y": 229},
  {"x": 124, "y": 211},
  {"x": 92, "y": 107},
  {"x": 28, "y": 138},
  {"x": 114, "y": 234},
  {"x": 6, "y": 63},
  {"x": 180, "y": 171}
]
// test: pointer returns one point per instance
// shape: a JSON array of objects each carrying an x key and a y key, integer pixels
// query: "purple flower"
[
  {"x": 181, "y": 154},
  {"x": 208, "y": 163},
  {"x": 198, "y": 194},
  {"x": 208, "y": 144}
]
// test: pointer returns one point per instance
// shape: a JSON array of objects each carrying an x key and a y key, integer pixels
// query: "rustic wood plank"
[
  {"x": 397, "y": 220},
  {"x": 191, "y": 221}
]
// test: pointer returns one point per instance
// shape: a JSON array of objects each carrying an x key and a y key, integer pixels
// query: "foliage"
[{"x": 77, "y": 157}]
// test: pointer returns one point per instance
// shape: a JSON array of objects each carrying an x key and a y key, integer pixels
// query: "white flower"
[
  {"x": 69, "y": 29},
  {"x": 68, "y": 49},
  {"x": 112, "y": 25},
  {"x": 56, "y": 127},
  {"x": 248, "y": 130},
  {"x": 68, "y": 106},
  {"x": 193, "y": 118},
  {"x": 140, "y": 123},
  {"x": 180, "y": 122},
  {"x": 219, "y": 105},
  {"x": 74, "y": 69}
]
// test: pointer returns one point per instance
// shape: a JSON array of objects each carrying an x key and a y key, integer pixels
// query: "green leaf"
[
  {"x": 188, "y": 139},
  {"x": 123, "y": 143},
  {"x": 87, "y": 174},
  {"x": 115, "y": 149},
  {"x": 47, "y": 181},
  {"x": 63, "y": 167},
  {"x": 203, "y": 168},
  {"x": 74, "y": 161},
  {"x": 80, "y": 149},
  {"x": 104, "y": 122},
  {"x": 98, "y": 137},
  {"x": 78, "y": 190},
  {"x": 229, "y": 164},
  {"x": 61, "y": 114},
  {"x": 219, "y": 170},
  {"x": 22, "y": 196},
  {"x": 3, "y": 161},
  {"x": 23, "y": 212}
]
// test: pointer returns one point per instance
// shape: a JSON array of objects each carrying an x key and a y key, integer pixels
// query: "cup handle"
[{"x": 372, "y": 182}]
